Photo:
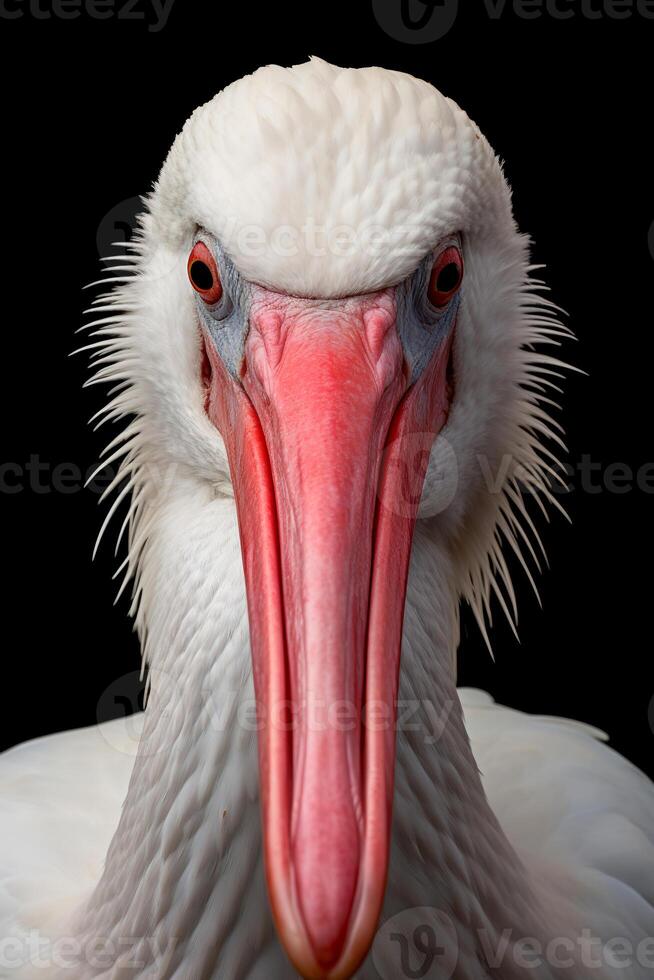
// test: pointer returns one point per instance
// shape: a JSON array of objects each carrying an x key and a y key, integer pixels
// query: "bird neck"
[
  {"x": 449, "y": 852},
  {"x": 185, "y": 863}
]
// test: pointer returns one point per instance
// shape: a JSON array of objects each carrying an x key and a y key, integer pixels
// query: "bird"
[{"x": 334, "y": 373}]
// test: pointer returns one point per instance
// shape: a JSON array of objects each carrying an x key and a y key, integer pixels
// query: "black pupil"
[
  {"x": 201, "y": 275},
  {"x": 448, "y": 278}
]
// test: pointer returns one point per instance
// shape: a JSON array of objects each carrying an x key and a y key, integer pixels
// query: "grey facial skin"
[
  {"x": 421, "y": 327},
  {"x": 227, "y": 321}
]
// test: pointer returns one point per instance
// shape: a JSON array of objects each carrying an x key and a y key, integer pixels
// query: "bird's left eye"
[
  {"x": 446, "y": 277},
  {"x": 203, "y": 274}
]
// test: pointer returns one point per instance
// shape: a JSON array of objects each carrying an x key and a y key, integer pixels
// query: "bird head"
[{"x": 328, "y": 315}]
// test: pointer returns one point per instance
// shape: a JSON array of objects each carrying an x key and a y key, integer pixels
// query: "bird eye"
[
  {"x": 203, "y": 274},
  {"x": 446, "y": 277}
]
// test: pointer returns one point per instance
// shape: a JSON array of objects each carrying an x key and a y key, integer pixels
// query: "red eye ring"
[
  {"x": 203, "y": 274},
  {"x": 446, "y": 277}
]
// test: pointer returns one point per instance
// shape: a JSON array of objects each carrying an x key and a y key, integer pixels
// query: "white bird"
[{"x": 327, "y": 298}]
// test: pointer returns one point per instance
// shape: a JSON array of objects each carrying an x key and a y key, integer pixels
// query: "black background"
[{"x": 90, "y": 108}]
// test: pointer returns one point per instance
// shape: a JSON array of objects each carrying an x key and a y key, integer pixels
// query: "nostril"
[
  {"x": 269, "y": 326},
  {"x": 206, "y": 375},
  {"x": 377, "y": 323}
]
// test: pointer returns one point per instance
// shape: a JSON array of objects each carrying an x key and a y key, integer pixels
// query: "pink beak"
[{"x": 321, "y": 435}]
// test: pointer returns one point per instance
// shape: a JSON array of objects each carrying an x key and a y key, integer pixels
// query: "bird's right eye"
[
  {"x": 446, "y": 277},
  {"x": 203, "y": 274}
]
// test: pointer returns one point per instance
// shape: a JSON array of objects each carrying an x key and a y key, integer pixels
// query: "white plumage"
[{"x": 559, "y": 839}]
